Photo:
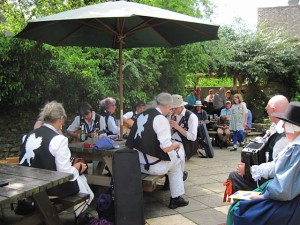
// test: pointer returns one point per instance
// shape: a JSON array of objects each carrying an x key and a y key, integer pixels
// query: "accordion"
[{"x": 254, "y": 153}]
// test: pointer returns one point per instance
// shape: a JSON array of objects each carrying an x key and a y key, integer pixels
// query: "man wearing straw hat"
[{"x": 185, "y": 125}]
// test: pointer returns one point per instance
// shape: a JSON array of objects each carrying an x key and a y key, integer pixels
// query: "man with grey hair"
[{"x": 158, "y": 154}]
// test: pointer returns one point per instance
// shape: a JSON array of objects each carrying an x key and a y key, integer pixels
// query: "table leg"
[
  {"x": 108, "y": 162},
  {"x": 44, "y": 206}
]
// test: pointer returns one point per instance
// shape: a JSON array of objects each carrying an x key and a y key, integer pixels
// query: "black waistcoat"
[
  {"x": 39, "y": 156},
  {"x": 190, "y": 147},
  {"x": 144, "y": 138}
]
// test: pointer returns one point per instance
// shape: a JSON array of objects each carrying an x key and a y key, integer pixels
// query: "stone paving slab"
[{"x": 170, "y": 220}]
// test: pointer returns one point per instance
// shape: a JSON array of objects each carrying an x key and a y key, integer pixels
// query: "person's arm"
[
  {"x": 162, "y": 128},
  {"x": 74, "y": 128},
  {"x": 58, "y": 147},
  {"x": 205, "y": 117},
  {"x": 286, "y": 183},
  {"x": 127, "y": 119},
  {"x": 191, "y": 133}
]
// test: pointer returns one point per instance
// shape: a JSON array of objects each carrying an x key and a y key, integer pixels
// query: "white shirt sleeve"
[
  {"x": 162, "y": 128},
  {"x": 191, "y": 133},
  {"x": 75, "y": 124},
  {"x": 102, "y": 123},
  {"x": 128, "y": 115},
  {"x": 267, "y": 170},
  {"x": 58, "y": 147}
]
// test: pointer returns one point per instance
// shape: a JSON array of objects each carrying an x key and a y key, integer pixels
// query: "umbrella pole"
[{"x": 121, "y": 88}]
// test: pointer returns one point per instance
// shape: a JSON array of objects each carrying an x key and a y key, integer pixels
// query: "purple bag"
[
  {"x": 105, "y": 206},
  {"x": 101, "y": 221}
]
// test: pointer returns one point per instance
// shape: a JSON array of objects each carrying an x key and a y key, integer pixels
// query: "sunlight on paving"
[
  {"x": 223, "y": 209},
  {"x": 170, "y": 220}
]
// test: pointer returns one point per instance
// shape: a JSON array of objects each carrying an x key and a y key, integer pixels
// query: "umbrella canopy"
[{"x": 119, "y": 25}]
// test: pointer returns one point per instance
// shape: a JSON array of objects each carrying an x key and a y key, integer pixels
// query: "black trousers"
[{"x": 240, "y": 183}]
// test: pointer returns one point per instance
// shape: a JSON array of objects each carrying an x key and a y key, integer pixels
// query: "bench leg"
[{"x": 46, "y": 209}]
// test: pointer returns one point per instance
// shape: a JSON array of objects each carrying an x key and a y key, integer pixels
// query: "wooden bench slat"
[
  {"x": 149, "y": 182},
  {"x": 62, "y": 204}
]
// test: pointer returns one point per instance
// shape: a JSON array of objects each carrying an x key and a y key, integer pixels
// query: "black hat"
[
  {"x": 140, "y": 104},
  {"x": 292, "y": 114}
]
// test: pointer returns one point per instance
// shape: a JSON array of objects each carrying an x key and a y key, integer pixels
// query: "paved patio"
[{"x": 204, "y": 189}]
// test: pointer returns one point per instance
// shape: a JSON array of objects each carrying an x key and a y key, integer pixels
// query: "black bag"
[
  {"x": 204, "y": 142},
  {"x": 24, "y": 206},
  {"x": 127, "y": 187}
]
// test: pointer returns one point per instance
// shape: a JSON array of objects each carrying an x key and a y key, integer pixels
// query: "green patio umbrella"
[{"x": 118, "y": 25}]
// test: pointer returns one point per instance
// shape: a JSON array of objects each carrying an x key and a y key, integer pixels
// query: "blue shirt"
[
  {"x": 191, "y": 99},
  {"x": 226, "y": 112},
  {"x": 249, "y": 119}
]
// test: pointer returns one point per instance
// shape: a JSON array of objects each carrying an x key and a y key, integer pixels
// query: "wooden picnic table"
[
  {"x": 31, "y": 182},
  {"x": 103, "y": 158}
]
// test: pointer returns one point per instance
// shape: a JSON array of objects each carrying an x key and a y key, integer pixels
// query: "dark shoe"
[
  {"x": 83, "y": 218},
  {"x": 221, "y": 144},
  {"x": 185, "y": 175},
  {"x": 177, "y": 202},
  {"x": 234, "y": 149},
  {"x": 166, "y": 186},
  {"x": 226, "y": 144}
]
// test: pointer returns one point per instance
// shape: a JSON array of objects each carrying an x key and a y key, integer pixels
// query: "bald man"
[{"x": 276, "y": 142}]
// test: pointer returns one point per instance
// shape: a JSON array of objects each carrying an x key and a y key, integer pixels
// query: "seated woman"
[
  {"x": 279, "y": 203},
  {"x": 108, "y": 107},
  {"x": 223, "y": 131},
  {"x": 46, "y": 148}
]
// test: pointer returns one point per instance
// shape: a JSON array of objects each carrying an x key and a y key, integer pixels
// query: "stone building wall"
[{"x": 285, "y": 17}]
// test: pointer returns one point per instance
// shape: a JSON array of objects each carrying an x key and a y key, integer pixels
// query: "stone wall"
[
  {"x": 14, "y": 124},
  {"x": 285, "y": 17}
]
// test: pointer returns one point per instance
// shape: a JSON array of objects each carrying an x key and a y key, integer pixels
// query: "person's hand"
[
  {"x": 81, "y": 167},
  {"x": 176, "y": 146},
  {"x": 174, "y": 124},
  {"x": 257, "y": 197},
  {"x": 241, "y": 169}
]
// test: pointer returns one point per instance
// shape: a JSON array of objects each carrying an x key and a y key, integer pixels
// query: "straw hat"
[
  {"x": 178, "y": 101},
  {"x": 198, "y": 103}
]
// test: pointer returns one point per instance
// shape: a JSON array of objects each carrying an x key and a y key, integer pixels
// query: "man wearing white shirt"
[
  {"x": 158, "y": 154},
  {"x": 185, "y": 126}
]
